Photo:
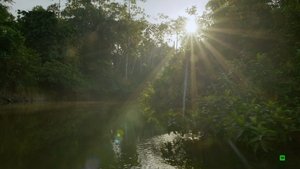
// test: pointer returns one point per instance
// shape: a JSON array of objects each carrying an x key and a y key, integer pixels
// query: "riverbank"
[
  {"x": 38, "y": 97},
  {"x": 21, "y": 98}
]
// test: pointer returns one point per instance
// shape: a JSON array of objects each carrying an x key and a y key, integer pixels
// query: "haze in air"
[{"x": 92, "y": 84}]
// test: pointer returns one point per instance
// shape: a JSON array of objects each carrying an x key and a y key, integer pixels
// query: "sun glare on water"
[{"x": 191, "y": 25}]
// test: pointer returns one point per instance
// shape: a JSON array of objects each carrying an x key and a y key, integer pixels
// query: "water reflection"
[
  {"x": 101, "y": 136},
  {"x": 150, "y": 154},
  {"x": 92, "y": 163},
  {"x": 60, "y": 136}
]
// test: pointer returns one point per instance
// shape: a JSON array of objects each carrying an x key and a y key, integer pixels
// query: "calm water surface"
[
  {"x": 76, "y": 135},
  {"x": 99, "y": 135}
]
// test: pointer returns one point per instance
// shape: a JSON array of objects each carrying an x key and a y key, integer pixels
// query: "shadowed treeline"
[
  {"x": 88, "y": 51},
  {"x": 233, "y": 76},
  {"x": 243, "y": 77}
]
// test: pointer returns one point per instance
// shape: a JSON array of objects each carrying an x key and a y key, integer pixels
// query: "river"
[{"x": 95, "y": 135}]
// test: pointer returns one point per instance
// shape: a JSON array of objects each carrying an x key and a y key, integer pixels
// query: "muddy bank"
[
  {"x": 50, "y": 97},
  {"x": 11, "y": 99}
]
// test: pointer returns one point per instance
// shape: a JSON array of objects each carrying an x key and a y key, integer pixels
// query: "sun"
[{"x": 191, "y": 25}]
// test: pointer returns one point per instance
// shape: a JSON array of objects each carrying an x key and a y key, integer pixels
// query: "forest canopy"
[
  {"x": 89, "y": 50},
  {"x": 237, "y": 76}
]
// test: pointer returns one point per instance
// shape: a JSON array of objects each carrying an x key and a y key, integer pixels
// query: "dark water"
[{"x": 106, "y": 136}]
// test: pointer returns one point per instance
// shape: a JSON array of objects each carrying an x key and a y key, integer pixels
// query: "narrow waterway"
[
  {"x": 101, "y": 135},
  {"x": 76, "y": 135}
]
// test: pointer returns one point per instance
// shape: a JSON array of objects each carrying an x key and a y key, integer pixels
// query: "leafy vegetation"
[
  {"x": 242, "y": 67},
  {"x": 90, "y": 50},
  {"x": 243, "y": 76}
]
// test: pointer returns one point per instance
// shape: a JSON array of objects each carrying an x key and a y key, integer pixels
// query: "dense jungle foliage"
[
  {"x": 90, "y": 50},
  {"x": 243, "y": 80},
  {"x": 243, "y": 76}
]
